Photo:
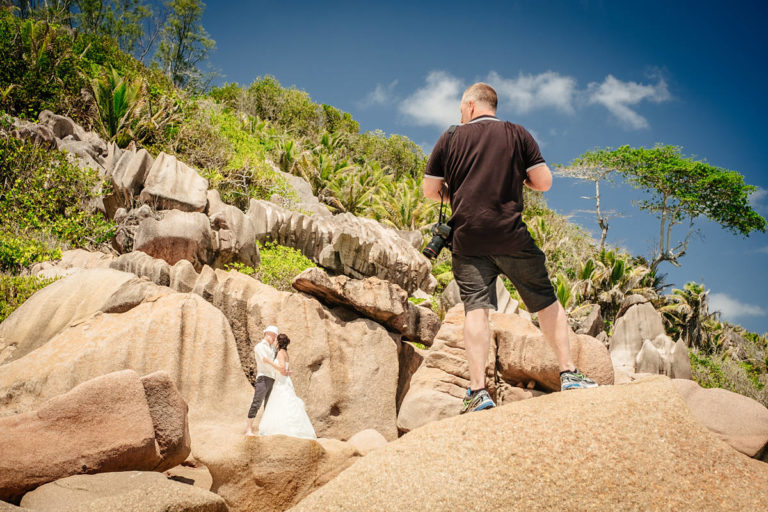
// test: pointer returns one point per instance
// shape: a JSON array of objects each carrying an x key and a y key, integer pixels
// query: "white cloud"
[
  {"x": 757, "y": 196},
  {"x": 618, "y": 96},
  {"x": 763, "y": 250},
  {"x": 733, "y": 308},
  {"x": 530, "y": 92},
  {"x": 381, "y": 95},
  {"x": 437, "y": 103}
]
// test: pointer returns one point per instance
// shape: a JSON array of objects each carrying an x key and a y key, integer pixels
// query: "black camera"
[{"x": 440, "y": 234}]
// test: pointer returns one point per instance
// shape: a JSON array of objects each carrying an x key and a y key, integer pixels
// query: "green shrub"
[
  {"x": 14, "y": 290},
  {"x": 280, "y": 264},
  {"x": 45, "y": 201}
]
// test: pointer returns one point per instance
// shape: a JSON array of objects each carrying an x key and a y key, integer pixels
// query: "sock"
[
  {"x": 575, "y": 370},
  {"x": 475, "y": 391}
]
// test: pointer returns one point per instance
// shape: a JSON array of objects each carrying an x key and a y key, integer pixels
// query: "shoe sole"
[
  {"x": 578, "y": 386},
  {"x": 482, "y": 407}
]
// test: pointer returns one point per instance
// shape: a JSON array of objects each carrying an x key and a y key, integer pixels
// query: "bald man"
[{"x": 480, "y": 167}]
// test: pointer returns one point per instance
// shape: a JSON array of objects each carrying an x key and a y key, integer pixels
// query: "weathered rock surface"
[
  {"x": 269, "y": 473},
  {"x": 367, "y": 441},
  {"x": 640, "y": 322},
  {"x": 345, "y": 370},
  {"x": 128, "y": 176},
  {"x": 235, "y": 233},
  {"x": 180, "y": 334},
  {"x": 736, "y": 419},
  {"x": 664, "y": 357},
  {"x": 672, "y": 458},
  {"x": 587, "y": 319},
  {"x": 104, "y": 424},
  {"x": 524, "y": 355},
  {"x": 345, "y": 244},
  {"x": 173, "y": 185},
  {"x": 143, "y": 265},
  {"x": 38, "y": 134},
  {"x": 128, "y": 491},
  {"x": 379, "y": 300},
  {"x": 519, "y": 356},
  {"x": 306, "y": 199},
  {"x": 177, "y": 235},
  {"x": 128, "y": 222},
  {"x": 75, "y": 259},
  {"x": 53, "y": 308}
]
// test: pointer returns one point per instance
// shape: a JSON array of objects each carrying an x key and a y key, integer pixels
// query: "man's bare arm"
[
  {"x": 539, "y": 178},
  {"x": 432, "y": 186}
]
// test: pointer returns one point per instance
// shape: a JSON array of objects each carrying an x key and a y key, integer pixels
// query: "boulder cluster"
[{"x": 124, "y": 384}]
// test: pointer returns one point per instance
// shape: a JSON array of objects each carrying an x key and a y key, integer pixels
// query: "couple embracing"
[{"x": 283, "y": 411}]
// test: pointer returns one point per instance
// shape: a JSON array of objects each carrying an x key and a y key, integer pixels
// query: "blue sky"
[{"x": 578, "y": 74}]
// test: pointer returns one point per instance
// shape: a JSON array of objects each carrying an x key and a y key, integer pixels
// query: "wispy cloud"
[
  {"x": 530, "y": 92},
  {"x": 733, "y": 308},
  {"x": 757, "y": 196},
  {"x": 764, "y": 250},
  {"x": 381, "y": 95},
  {"x": 618, "y": 96},
  {"x": 437, "y": 103}
]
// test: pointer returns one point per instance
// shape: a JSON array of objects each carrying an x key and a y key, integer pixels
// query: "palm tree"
[
  {"x": 686, "y": 311},
  {"x": 116, "y": 99},
  {"x": 402, "y": 204}
]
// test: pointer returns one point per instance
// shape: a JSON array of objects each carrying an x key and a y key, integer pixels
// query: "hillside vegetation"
[{"x": 238, "y": 137}]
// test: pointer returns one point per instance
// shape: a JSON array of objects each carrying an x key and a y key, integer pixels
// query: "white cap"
[{"x": 272, "y": 329}]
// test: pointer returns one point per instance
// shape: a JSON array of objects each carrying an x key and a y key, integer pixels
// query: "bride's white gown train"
[{"x": 285, "y": 413}]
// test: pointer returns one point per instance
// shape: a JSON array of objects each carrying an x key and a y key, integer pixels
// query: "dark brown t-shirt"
[{"x": 484, "y": 163}]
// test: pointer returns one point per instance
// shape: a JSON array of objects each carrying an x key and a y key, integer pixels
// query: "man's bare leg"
[
  {"x": 477, "y": 341},
  {"x": 249, "y": 430},
  {"x": 554, "y": 326}
]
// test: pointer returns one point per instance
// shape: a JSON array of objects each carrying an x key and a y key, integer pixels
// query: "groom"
[{"x": 265, "y": 374}]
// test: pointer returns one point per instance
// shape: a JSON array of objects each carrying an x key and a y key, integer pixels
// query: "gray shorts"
[{"x": 476, "y": 277}]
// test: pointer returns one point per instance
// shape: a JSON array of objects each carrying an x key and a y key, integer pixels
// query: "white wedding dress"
[{"x": 284, "y": 413}]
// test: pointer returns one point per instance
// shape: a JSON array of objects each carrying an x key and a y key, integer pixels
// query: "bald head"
[{"x": 483, "y": 95}]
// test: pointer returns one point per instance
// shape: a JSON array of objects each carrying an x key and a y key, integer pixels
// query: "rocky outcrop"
[
  {"x": 664, "y": 357},
  {"x": 53, "y": 308},
  {"x": 105, "y": 424},
  {"x": 128, "y": 491},
  {"x": 173, "y": 185},
  {"x": 128, "y": 176},
  {"x": 180, "y": 334},
  {"x": 234, "y": 231},
  {"x": 587, "y": 319},
  {"x": 177, "y": 235},
  {"x": 640, "y": 322},
  {"x": 345, "y": 244},
  {"x": 367, "y": 441},
  {"x": 524, "y": 355},
  {"x": 379, "y": 300},
  {"x": 736, "y": 419},
  {"x": 520, "y": 365},
  {"x": 660, "y": 444},
  {"x": 270, "y": 473},
  {"x": 143, "y": 265},
  {"x": 307, "y": 202}
]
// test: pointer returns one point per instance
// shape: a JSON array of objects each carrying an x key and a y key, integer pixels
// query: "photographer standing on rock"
[{"x": 481, "y": 167}]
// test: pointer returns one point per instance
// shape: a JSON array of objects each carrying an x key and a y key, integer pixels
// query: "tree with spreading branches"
[{"x": 680, "y": 190}]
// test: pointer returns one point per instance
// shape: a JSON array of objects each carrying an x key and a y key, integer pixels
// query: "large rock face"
[
  {"x": 54, "y": 307},
  {"x": 519, "y": 360},
  {"x": 234, "y": 231},
  {"x": 379, "y": 300},
  {"x": 738, "y": 420},
  {"x": 345, "y": 244},
  {"x": 525, "y": 454},
  {"x": 173, "y": 185},
  {"x": 128, "y": 491},
  {"x": 180, "y": 334},
  {"x": 640, "y": 322},
  {"x": 524, "y": 355},
  {"x": 105, "y": 424},
  {"x": 270, "y": 473},
  {"x": 128, "y": 176},
  {"x": 176, "y": 236}
]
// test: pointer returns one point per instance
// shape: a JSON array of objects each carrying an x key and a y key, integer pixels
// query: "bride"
[{"x": 284, "y": 413}]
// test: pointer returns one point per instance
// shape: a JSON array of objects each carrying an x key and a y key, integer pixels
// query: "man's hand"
[{"x": 285, "y": 372}]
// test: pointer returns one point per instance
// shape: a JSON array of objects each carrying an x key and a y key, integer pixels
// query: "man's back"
[{"x": 484, "y": 164}]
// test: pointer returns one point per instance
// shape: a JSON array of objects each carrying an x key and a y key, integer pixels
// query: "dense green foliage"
[
  {"x": 279, "y": 265},
  {"x": 14, "y": 290},
  {"x": 45, "y": 204}
]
